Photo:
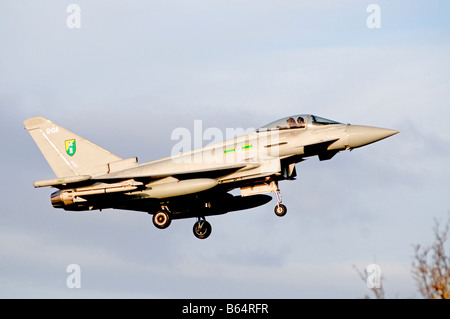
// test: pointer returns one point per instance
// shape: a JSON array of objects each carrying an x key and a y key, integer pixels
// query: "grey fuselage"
[{"x": 262, "y": 153}]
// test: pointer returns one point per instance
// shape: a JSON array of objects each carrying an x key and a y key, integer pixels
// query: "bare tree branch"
[{"x": 430, "y": 267}]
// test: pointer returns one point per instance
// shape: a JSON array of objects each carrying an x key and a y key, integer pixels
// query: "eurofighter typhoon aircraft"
[{"x": 192, "y": 184}]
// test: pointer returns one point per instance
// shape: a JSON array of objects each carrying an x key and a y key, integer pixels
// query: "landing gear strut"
[
  {"x": 280, "y": 209},
  {"x": 202, "y": 229}
]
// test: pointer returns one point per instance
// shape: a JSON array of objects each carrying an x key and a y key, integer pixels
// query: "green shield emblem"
[{"x": 71, "y": 147}]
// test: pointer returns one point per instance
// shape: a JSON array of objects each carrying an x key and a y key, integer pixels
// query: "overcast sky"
[{"x": 135, "y": 71}]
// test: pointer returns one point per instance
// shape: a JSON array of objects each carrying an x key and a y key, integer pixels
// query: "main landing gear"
[
  {"x": 162, "y": 219},
  {"x": 202, "y": 229}
]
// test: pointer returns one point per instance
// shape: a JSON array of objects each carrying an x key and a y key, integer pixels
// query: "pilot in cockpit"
[
  {"x": 291, "y": 122},
  {"x": 300, "y": 122}
]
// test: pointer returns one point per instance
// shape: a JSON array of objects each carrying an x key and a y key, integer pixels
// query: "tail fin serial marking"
[{"x": 67, "y": 153}]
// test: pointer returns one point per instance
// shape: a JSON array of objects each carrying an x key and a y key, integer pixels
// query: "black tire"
[
  {"x": 280, "y": 210},
  {"x": 202, "y": 229},
  {"x": 161, "y": 219}
]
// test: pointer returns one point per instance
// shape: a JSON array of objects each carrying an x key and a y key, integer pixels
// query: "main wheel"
[
  {"x": 161, "y": 219},
  {"x": 202, "y": 229},
  {"x": 280, "y": 210}
]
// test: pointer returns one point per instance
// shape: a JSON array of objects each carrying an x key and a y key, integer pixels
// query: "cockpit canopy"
[{"x": 297, "y": 121}]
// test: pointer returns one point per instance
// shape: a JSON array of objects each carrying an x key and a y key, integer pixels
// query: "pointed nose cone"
[{"x": 363, "y": 135}]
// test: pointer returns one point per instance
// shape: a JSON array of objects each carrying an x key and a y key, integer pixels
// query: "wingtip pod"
[{"x": 61, "y": 181}]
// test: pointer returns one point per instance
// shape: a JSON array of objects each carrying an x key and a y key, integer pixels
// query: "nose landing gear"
[{"x": 280, "y": 210}]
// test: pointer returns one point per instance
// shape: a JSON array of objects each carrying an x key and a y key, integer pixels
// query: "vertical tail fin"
[{"x": 67, "y": 153}]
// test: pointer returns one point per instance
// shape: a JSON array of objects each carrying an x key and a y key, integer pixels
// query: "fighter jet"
[{"x": 192, "y": 184}]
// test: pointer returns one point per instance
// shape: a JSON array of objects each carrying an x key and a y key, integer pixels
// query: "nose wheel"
[
  {"x": 202, "y": 229},
  {"x": 280, "y": 210}
]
